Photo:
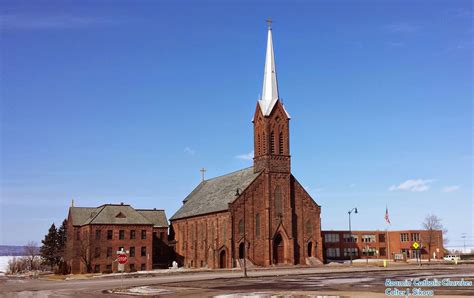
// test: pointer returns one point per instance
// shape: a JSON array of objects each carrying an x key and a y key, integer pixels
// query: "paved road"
[{"x": 358, "y": 281}]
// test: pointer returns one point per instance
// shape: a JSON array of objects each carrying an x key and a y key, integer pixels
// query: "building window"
[
  {"x": 415, "y": 236},
  {"x": 121, "y": 234},
  {"x": 350, "y": 251},
  {"x": 132, "y": 267},
  {"x": 97, "y": 268},
  {"x": 241, "y": 226},
  {"x": 78, "y": 235},
  {"x": 109, "y": 251},
  {"x": 349, "y": 239},
  {"x": 143, "y": 234},
  {"x": 257, "y": 225},
  {"x": 132, "y": 234},
  {"x": 97, "y": 252},
  {"x": 333, "y": 252},
  {"x": 109, "y": 268},
  {"x": 368, "y": 251},
  {"x": 183, "y": 240},
  {"x": 404, "y": 237},
  {"x": 272, "y": 143},
  {"x": 97, "y": 234},
  {"x": 309, "y": 227},
  {"x": 280, "y": 143},
  {"x": 162, "y": 235},
  {"x": 224, "y": 231},
  {"x": 382, "y": 238},
  {"x": 109, "y": 234},
  {"x": 382, "y": 251},
  {"x": 368, "y": 238},
  {"x": 132, "y": 251},
  {"x": 143, "y": 267},
  {"x": 331, "y": 237},
  {"x": 278, "y": 201},
  {"x": 258, "y": 145},
  {"x": 143, "y": 251}
]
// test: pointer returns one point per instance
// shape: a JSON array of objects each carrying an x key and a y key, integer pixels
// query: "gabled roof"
[
  {"x": 215, "y": 194},
  {"x": 157, "y": 217},
  {"x": 116, "y": 214},
  {"x": 79, "y": 215}
]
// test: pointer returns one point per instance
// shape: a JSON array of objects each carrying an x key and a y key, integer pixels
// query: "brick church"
[{"x": 261, "y": 212}]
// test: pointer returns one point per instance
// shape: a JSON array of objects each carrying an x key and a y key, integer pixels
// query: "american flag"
[{"x": 387, "y": 219}]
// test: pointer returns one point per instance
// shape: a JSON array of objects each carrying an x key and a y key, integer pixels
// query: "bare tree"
[
  {"x": 84, "y": 252},
  {"x": 31, "y": 252},
  {"x": 432, "y": 224}
]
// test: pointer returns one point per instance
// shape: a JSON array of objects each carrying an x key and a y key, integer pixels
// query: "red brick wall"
[
  {"x": 87, "y": 243},
  {"x": 200, "y": 240}
]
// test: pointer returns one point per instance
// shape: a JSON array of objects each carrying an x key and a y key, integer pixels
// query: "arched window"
[
  {"x": 257, "y": 225},
  {"x": 263, "y": 144},
  {"x": 309, "y": 227},
  {"x": 241, "y": 226},
  {"x": 280, "y": 143},
  {"x": 272, "y": 143},
  {"x": 258, "y": 146},
  {"x": 278, "y": 201}
]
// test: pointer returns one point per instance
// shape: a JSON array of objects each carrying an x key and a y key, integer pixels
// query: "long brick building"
[
  {"x": 393, "y": 245},
  {"x": 262, "y": 212},
  {"x": 94, "y": 235}
]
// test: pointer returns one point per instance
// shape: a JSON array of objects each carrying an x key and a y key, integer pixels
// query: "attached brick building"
[
  {"x": 338, "y": 245},
  {"x": 94, "y": 236},
  {"x": 262, "y": 209}
]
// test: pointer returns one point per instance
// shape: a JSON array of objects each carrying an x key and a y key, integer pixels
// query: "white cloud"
[
  {"x": 189, "y": 151},
  {"x": 451, "y": 188},
  {"x": 414, "y": 185},
  {"x": 402, "y": 28},
  {"x": 396, "y": 44},
  {"x": 248, "y": 156},
  {"x": 43, "y": 22}
]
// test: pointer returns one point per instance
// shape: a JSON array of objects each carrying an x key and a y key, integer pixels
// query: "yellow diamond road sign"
[{"x": 416, "y": 245}]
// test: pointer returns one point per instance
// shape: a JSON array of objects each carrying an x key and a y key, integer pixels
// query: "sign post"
[
  {"x": 122, "y": 259},
  {"x": 416, "y": 246}
]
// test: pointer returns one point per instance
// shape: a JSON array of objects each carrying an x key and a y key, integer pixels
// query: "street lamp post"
[
  {"x": 350, "y": 231},
  {"x": 238, "y": 193}
]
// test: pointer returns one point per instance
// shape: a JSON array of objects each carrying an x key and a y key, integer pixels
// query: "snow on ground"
[{"x": 143, "y": 291}]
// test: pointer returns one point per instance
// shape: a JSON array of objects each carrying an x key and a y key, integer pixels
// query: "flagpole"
[{"x": 387, "y": 220}]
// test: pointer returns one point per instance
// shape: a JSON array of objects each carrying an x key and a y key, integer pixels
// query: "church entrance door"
[
  {"x": 310, "y": 249},
  {"x": 222, "y": 259},
  {"x": 241, "y": 250},
  {"x": 278, "y": 250}
]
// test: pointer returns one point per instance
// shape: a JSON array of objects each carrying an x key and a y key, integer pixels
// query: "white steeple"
[{"x": 270, "y": 85}]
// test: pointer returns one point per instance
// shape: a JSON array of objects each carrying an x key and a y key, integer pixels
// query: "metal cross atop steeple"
[
  {"x": 203, "y": 170},
  {"x": 269, "y": 22}
]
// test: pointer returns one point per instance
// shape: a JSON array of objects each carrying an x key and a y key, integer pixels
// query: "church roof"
[
  {"x": 117, "y": 215},
  {"x": 155, "y": 216},
  {"x": 215, "y": 194}
]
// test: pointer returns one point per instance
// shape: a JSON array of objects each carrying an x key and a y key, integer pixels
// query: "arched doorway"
[
  {"x": 278, "y": 250},
  {"x": 222, "y": 259},
  {"x": 241, "y": 250},
  {"x": 310, "y": 249}
]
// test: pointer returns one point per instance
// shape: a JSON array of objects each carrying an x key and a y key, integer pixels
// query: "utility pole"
[{"x": 464, "y": 236}]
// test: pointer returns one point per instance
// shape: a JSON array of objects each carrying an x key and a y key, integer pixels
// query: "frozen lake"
[{"x": 4, "y": 262}]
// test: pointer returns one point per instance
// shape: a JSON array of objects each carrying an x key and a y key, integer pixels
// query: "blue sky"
[{"x": 109, "y": 102}]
